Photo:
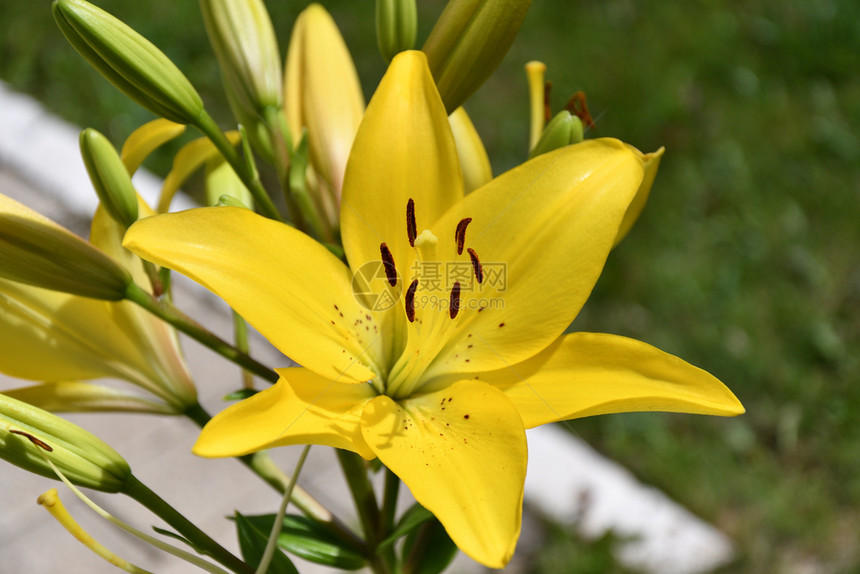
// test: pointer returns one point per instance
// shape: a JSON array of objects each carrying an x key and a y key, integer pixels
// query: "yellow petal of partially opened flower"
[
  {"x": 47, "y": 335},
  {"x": 322, "y": 93},
  {"x": 432, "y": 348}
]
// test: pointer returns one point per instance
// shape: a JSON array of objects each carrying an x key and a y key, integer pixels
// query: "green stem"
[
  {"x": 240, "y": 333},
  {"x": 207, "y": 125},
  {"x": 362, "y": 493},
  {"x": 291, "y": 168},
  {"x": 389, "y": 507},
  {"x": 198, "y": 539},
  {"x": 355, "y": 471},
  {"x": 282, "y": 146},
  {"x": 263, "y": 466},
  {"x": 389, "y": 502},
  {"x": 175, "y": 317}
]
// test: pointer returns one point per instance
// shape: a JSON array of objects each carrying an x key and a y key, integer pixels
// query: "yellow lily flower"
[
  {"x": 438, "y": 376},
  {"x": 48, "y": 335}
]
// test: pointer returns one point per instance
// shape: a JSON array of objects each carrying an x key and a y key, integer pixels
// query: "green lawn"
[{"x": 746, "y": 261}]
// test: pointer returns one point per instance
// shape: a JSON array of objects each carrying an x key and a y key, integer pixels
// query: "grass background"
[{"x": 746, "y": 261}]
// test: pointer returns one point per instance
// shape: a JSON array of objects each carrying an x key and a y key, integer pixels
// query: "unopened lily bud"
[
  {"x": 128, "y": 60},
  {"x": 564, "y": 129},
  {"x": 474, "y": 161},
  {"x": 396, "y": 26},
  {"x": 323, "y": 93},
  {"x": 244, "y": 42},
  {"x": 36, "y": 251},
  {"x": 230, "y": 201},
  {"x": 82, "y": 457},
  {"x": 109, "y": 177},
  {"x": 223, "y": 186},
  {"x": 468, "y": 43}
]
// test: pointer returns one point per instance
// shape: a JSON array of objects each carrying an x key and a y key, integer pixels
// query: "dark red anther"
[
  {"x": 410, "y": 300},
  {"x": 578, "y": 107},
  {"x": 388, "y": 263},
  {"x": 454, "y": 306},
  {"x": 476, "y": 265},
  {"x": 411, "y": 228},
  {"x": 460, "y": 234},
  {"x": 39, "y": 443}
]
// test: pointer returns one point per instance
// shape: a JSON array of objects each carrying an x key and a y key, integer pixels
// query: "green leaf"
[
  {"x": 171, "y": 534},
  {"x": 428, "y": 549},
  {"x": 252, "y": 542},
  {"x": 239, "y": 395},
  {"x": 411, "y": 519},
  {"x": 307, "y": 539}
]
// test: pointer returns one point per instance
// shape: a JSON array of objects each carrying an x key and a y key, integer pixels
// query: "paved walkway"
[{"x": 40, "y": 166}]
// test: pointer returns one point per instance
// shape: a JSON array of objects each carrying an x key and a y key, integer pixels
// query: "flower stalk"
[
  {"x": 241, "y": 165},
  {"x": 182, "y": 322},
  {"x": 142, "y": 494},
  {"x": 355, "y": 471}
]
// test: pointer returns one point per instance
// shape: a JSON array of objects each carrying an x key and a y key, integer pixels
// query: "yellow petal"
[
  {"x": 191, "y": 157},
  {"x": 153, "y": 347},
  {"x": 301, "y": 408},
  {"x": 462, "y": 452},
  {"x": 473, "y": 156},
  {"x": 404, "y": 149},
  {"x": 288, "y": 286},
  {"x": 36, "y": 324},
  {"x": 145, "y": 139},
  {"x": 51, "y": 336},
  {"x": 585, "y": 374},
  {"x": 651, "y": 162},
  {"x": 73, "y": 396},
  {"x": 542, "y": 233},
  {"x": 323, "y": 93}
]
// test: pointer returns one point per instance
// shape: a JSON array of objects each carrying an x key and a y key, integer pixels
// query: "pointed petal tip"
[
  {"x": 409, "y": 57},
  {"x": 735, "y": 408}
]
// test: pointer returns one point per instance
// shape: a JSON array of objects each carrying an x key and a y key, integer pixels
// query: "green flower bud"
[
  {"x": 468, "y": 43},
  {"x": 84, "y": 458},
  {"x": 109, "y": 176},
  {"x": 396, "y": 26},
  {"x": 128, "y": 60},
  {"x": 244, "y": 42},
  {"x": 564, "y": 129},
  {"x": 230, "y": 201},
  {"x": 223, "y": 186},
  {"x": 36, "y": 251}
]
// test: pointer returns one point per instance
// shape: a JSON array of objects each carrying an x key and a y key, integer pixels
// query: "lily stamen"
[
  {"x": 411, "y": 228},
  {"x": 476, "y": 265},
  {"x": 454, "y": 305},
  {"x": 460, "y": 234},
  {"x": 388, "y": 263},
  {"x": 409, "y": 301}
]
